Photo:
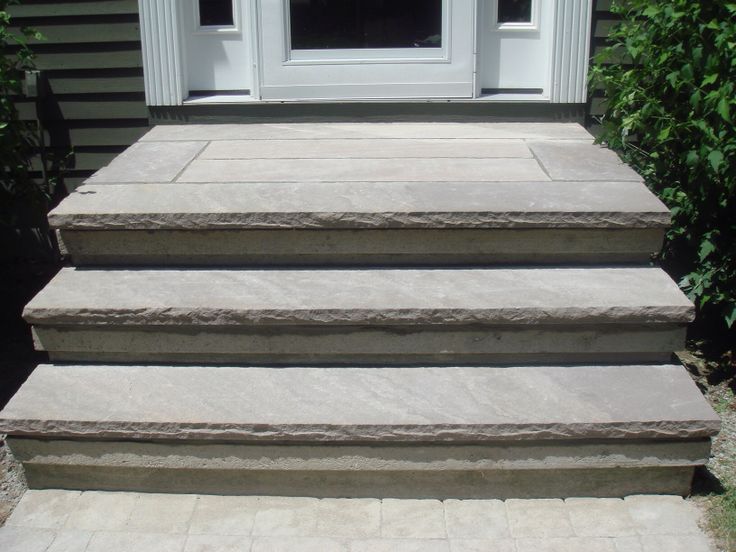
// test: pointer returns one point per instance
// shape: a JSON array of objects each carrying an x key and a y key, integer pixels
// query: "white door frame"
[{"x": 165, "y": 65}]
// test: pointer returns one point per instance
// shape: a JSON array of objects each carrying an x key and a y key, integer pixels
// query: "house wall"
[{"x": 95, "y": 103}]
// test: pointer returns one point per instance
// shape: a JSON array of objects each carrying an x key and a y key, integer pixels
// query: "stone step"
[
  {"x": 376, "y": 316},
  {"x": 450, "y": 431},
  {"x": 361, "y": 223}
]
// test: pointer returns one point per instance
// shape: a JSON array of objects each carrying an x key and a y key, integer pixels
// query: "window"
[
  {"x": 354, "y": 24},
  {"x": 216, "y": 13},
  {"x": 515, "y": 11}
]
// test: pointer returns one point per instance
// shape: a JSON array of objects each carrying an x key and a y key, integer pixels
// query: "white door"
[{"x": 353, "y": 49}]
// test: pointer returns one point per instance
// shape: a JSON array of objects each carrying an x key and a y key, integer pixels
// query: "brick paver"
[{"x": 70, "y": 521}]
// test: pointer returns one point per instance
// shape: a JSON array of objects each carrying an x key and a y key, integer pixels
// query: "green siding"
[
  {"x": 92, "y": 61},
  {"x": 603, "y": 20}
]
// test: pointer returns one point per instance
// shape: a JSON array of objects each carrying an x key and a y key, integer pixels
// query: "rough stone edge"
[
  {"x": 353, "y": 220},
  {"x": 183, "y": 316},
  {"x": 323, "y": 433}
]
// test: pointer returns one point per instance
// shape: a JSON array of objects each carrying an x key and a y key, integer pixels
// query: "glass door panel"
[{"x": 357, "y": 24}]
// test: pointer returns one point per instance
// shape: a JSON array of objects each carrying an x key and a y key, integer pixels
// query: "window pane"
[
  {"x": 326, "y": 24},
  {"x": 514, "y": 11},
  {"x": 216, "y": 13}
]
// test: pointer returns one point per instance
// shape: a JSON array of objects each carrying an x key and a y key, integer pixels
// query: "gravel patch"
[{"x": 12, "y": 481}]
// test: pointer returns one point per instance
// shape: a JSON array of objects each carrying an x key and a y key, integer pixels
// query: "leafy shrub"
[
  {"x": 669, "y": 78},
  {"x": 17, "y": 138}
]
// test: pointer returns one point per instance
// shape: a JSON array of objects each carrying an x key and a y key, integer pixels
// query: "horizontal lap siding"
[
  {"x": 603, "y": 20},
  {"x": 93, "y": 63}
]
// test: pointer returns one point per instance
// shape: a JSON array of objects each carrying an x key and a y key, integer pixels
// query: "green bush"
[
  {"x": 17, "y": 138},
  {"x": 669, "y": 78}
]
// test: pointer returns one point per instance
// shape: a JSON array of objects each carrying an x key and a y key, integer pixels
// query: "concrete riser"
[
  {"x": 552, "y": 470},
  {"x": 360, "y": 484},
  {"x": 399, "y": 345},
  {"x": 362, "y": 247}
]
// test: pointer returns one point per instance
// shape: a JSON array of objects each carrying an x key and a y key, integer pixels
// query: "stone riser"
[
  {"x": 440, "y": 484},
  {"x": 613, "y": 482},
  {"x": 542, "y": 470},
  {"x": 362, "y": 247},
  {"x": 402, "y": 345}
]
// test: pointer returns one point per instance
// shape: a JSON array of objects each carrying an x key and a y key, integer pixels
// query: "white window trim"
[
  {"x": 218, "y": 29},
  {"x": 165, "y": 68},
  {"x": 532, "y": 25}
]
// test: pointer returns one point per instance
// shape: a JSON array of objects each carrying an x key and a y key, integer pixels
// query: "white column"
[
  {"x": 571, "y": 50},
  {"x": 163, "y": 65}
]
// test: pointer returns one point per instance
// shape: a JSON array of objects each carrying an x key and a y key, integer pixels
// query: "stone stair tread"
[
  {"x": 369, "y": 130},
  {"x": 223, "y": 297},
  {"x": 322, "y": 404},
  {"x": 361, "y": 205}
]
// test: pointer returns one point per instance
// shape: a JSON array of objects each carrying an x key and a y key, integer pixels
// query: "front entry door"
[{"x": 364, "y": 49}]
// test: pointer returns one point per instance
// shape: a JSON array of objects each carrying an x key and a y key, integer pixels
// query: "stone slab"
[
  {"x": 364, "y": 247},
  {"x": 349, "y": 297},
  {"x": 362, "y": 170},
  {"x": 579, "y": 160},
  {"x": 371, "y": 404},
  {"x": 387, "y": 148},
  {"x": 326, "y": 205},
  {"x": 347, "y": 131},
  {"x": 149, "y": 162}
]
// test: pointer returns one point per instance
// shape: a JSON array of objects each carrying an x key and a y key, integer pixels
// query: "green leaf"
[
  {"x": 706, "y": 248},
  {"x": 716, "y": 159},
  {"x": 692, "y": 158},
  {"x": 710, "y": 79},
  {"x": 731, "y": 316},
  {"x": 724, "y": 109}
]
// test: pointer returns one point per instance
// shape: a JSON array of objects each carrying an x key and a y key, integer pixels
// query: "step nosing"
[
  {"x": 441, "y": 404},
  {"x": 361, "y": 296}
]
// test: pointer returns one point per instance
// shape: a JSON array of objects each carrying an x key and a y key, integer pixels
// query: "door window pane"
[
  {"x": 515, "y": 11},
  {"x": 347, "y": 24},
  {"x": 216, "y": 13}
]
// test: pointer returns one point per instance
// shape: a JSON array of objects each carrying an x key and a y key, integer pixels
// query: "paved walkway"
[{"x": 69, "y": 521}]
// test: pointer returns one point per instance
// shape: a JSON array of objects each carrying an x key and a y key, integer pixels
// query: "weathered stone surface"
[
  {"x": 343, "y": 131},
  {"x": 149, "y": 162},
  {"x": 371, "y": 148},
  {"x": 44, "y": 509},
  {"x": 98, "y": 511},
  {"x": 422, "y": 519},
  {"x": 378, "y": 296},
  {"x": 538, "y": 519},
  {"x": 15, "y": 539},
  {"x": 362, "y": 170},
  {"x": 295, "y": 524},
  {"x": 580, "y": 160},
  {"x": 362, "y": 205},
  {"x": 140, "y": 542},
  {"x": 662, "y": 515},
  {"x": 595, "y": 517},
  {"x": 476, "y": 519},
  {"x": 372, "y": 404}
]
